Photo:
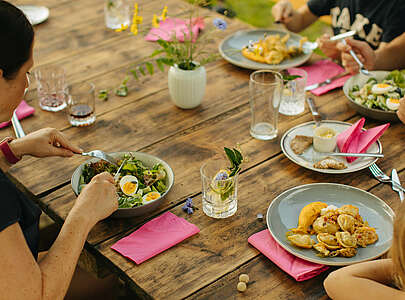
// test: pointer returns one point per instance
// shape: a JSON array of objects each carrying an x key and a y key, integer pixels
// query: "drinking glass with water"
[
  {"x": 264, "y": 98},
  {"x": 293, "y": 94}
]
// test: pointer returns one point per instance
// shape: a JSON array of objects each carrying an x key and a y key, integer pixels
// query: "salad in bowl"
[
  {"x": 378, "y": 96},
  {"x": 142, "y": 182}
]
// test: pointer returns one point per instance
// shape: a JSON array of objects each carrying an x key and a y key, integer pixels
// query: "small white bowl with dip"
[{"x": 324, "y": 139}]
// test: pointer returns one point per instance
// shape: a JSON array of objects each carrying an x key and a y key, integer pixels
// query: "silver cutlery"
[
  {"x": 382, "y": 177},
  {"x": 354, "y": 154},
  {"x": 327, "y": 81},
  {"x": 395, "y": 178},
  {"x": 117, "y": 174},
  {"x": 363, "y": 70},
  {"x": 315, "y": 114},
  {"x": 102, "y": 155},
  {"x": 18, "y": 130},
  {"x": 310, "y": 46}
]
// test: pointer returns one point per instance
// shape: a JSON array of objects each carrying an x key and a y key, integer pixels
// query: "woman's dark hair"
[{"x": 16, "y": 37}]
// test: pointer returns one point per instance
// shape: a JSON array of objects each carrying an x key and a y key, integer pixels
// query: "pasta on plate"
[
  {"x": 272, "y": 49},
  {"x": 339, "y": 231}
]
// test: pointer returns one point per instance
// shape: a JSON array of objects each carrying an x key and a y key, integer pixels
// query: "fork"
[
  {"x": 102, "y": 155},
  {"x": 382, "y": 177},
  {"x": 117, "y": 174},
  {"x": 363, "y": 70}
]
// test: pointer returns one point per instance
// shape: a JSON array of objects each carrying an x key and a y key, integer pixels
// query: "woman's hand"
[
  {"x": 401, "y": 111},
  {"x": 98, "y": 199},
  {"x": 363, "y": 51},
  {"x": 282, "y": 11},
  {"x": 43, "y": 143},
  {"x": 328, "y": 47}
]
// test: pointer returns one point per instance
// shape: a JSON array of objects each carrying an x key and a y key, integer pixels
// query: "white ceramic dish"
[
  {"x": 376, "y": 114},
  {"x": 309, "y": 157},
  {"x": 283, "y": 212},
  {"x": 230, "y": 49},
  {"x": 35, "y": 14},
  {"x": 149, "y": 161}
]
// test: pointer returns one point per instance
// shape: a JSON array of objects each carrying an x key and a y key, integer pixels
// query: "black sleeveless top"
[{"x": 16, "y": 207}]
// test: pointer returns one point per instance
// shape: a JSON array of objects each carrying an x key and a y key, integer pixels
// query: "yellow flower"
[
  {"x": 155, "y": 21},
  {"x": 123, "y": 28},
  {"x": 164, "y": 14},
  {"x": 137, "y": 20},
  {"x": 135, "y": 9},
  {"x": 134, "y": 29}
]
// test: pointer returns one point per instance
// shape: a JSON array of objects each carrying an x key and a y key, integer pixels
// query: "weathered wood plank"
[
  {"x": 181, "y": 150},
  {"x": 223, "y": 247}
]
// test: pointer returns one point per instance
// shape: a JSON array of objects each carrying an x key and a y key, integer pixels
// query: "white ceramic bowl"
[
  {"x": 149, "y": 161},
  {"x": 376, "y": 114}
]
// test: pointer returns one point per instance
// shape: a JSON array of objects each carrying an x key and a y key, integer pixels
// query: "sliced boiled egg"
[
  {"x": 393, "y": 104},
  {"x": 382, "y": 88},
  {"x": 149, "y": 197},
  {"x": 129, "y": 185}
]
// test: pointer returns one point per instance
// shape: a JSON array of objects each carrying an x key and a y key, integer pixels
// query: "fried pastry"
[
  {"x": 330, "y": 163},
  {"x": 325, "y": 224},
  {"x": 346, "y": 240},
  {"x": 308, "y": 215},
  {"x": 365, "y": 236},
  {"x": 349, "y": 209},
  {"x": 300, "y": 143},
  {"x": 345, "y": 252},
  {"x": 329, "y": 240},
  {"x": 322, "y": 249},
  {"x": 301, "y": 240},
  {"x": 346, "y": 222}
]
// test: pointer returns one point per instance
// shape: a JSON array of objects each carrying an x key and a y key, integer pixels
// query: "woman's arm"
[
  {"x": 366, "y": 280},
  {"x": 294, "y": 20},
  {"x": 23, "y": 278},
  {"x": 42, "y": 143}
]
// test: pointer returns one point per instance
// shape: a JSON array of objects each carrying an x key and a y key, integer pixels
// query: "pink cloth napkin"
[
  {"x": 296, "y": 267},
  {"x": 175, "y": 27},
  {"x": 356, "y": 140},
  {"x": 322, "y": 70},
  {"x": 23, "y": 110},
  {"x": 155, "y": 237}
]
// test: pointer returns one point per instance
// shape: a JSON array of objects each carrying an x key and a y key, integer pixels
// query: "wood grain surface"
[{"x": 207, "y": 265}]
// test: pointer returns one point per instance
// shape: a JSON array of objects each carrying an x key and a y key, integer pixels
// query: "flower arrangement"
[{"x": 184, "y": 50}]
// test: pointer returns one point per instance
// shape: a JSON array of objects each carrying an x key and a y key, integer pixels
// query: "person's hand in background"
[
  {"x": 328, "y": 47},
  {"x": 363, "y": 51}
]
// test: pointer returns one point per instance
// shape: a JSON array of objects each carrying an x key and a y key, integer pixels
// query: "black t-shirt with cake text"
[{"x": 375, "y": 21}]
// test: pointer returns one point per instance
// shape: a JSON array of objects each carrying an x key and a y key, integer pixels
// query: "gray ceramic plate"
[
  {"x": 283, "y": 213},
  {"x": 35, "y": 14},
  {"x": 309, "y": 157},
  {"x": 230, "y": 49},
  {"x": 376, "y": 114},
  {"x": 149, "y": 161}
]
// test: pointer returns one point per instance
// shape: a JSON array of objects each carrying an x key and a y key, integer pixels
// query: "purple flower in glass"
[
  {"x": 222, "y": 176},
  {"x": 220, "y": 23}
]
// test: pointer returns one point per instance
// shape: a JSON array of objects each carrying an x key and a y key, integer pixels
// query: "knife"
[
  {"x": 315, "y": 114},
  {"x": 327, "y": 81},
  {"x": 395, "y": 178},
  {"x": 353, "y": 154},
  {"x": 343, "y": 35}
]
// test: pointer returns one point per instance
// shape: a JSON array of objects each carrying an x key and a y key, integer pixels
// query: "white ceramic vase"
[{"x": 187, "y": 88}]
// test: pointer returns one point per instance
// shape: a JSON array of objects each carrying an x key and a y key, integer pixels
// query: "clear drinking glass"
[
  {"x": 116, "y": 13},
  {"x": 219, "y": 191},
  {"x": 81, "y": 104},
  {"x": 264, "y": 91},
  {"x": 293, "y": 95},
  {"x": 51, "y": 87}
]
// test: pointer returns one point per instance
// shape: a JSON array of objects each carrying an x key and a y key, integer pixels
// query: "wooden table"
[{"x": 208, "y": 264}]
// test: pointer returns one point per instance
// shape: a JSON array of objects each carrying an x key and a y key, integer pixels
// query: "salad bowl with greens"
[
  {"x": 376, "y": 97},
  {"x": 142, "y": 183}
]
